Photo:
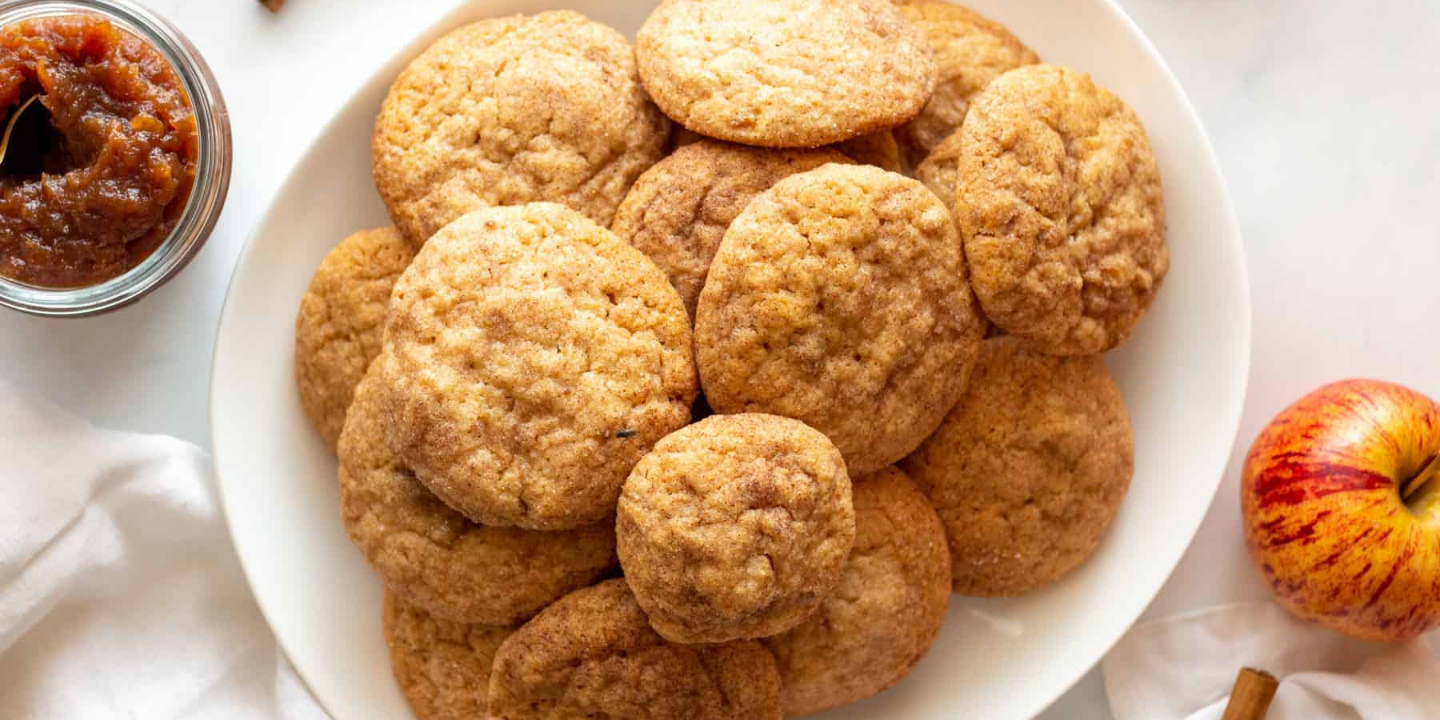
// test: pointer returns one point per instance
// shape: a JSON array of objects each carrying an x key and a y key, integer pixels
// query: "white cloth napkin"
[
  {"x": 1182, "y": 668},
  {"x": 120, "y": 595}
]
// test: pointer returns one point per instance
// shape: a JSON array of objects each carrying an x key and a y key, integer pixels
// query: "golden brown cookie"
[
  {"x": 593, "y": 655},
  {"x": 1029, "y": 468},
  {"x": 886, "y": 611},
  {"x": 877, "y": 148},
  {"x": 532, "y": 358},
  {"x": 680, "y": 136},
  {"x": 678, "y": 210},
  {"x": 1060, "y": 206},
  {"x": 839, "y": 298},
  {"x": 938, "y": 173},
  {"x": 970, "y": 51},
  {"x": 735, "y": 527},
  {"x": 514, "y": 110},
  {"x": 442, "y": 667},
  {"x": 940, "y": 170},
  {"x": 785, "y": 73},
  {"x": 432, "y": 556},
  {"x": 342, "y": 317}
]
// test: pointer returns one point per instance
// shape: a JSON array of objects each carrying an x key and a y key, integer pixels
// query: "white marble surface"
[{"x": 1322, "y": 112}]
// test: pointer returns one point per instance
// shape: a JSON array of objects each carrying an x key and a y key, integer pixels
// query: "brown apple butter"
[{"x": 91, "y": 191}]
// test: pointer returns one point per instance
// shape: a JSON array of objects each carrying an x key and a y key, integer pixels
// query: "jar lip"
[{"x": 212, "y": 172}]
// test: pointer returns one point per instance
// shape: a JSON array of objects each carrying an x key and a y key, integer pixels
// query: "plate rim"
[{"x": 1227, "y": 219}]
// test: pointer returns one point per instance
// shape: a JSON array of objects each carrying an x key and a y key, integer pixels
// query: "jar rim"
[{"x": 212, "y": 172}]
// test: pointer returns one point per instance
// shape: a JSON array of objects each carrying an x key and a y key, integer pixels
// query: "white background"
[{"x": 1323, "y": 113}]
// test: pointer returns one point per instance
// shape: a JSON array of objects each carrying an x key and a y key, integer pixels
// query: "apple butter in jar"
[
  {"x": 94, "y": 193},
  {"x": 114, "y": 158}
]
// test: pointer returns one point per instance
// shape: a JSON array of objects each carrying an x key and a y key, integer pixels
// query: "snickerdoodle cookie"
[
  {"x": 1060, "y": 206},
  {"x": 342, "y": 317},
  {"x": 838, "y": 297},
  {"x": 735, "y": 527},
  {"x": 1029, "y": 468},
  {"x": 785, "y": 73},
  {"x": 532, "y": 358},
  {"x": 514, "y": 110},
  {"x": 442, "y": 667},
  {"x": 970, "y": 51},
  {"x": 940, "y": 170},
  {"x": 878, "y": 148},
  {"x": 885, "y": 612},
  {"x": 432, "y": 556},
  {"x": 593, "y": 655},
  {"x": 679, "y": 210}
]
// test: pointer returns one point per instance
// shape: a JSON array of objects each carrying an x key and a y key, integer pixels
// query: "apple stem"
[{"x": 1426, "y": 474}]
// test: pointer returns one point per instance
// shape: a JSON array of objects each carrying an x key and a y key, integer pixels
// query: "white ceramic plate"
[{"x": 1183, "y": 376}]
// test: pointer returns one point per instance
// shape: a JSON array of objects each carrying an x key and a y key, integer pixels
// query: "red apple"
[{"x": 1342, "y": 509}]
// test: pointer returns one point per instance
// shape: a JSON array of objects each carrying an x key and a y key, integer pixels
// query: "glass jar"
[{"x": 212, "y": 172}]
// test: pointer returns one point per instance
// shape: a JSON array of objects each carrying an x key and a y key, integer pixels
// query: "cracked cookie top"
[
  {"x": 970, "y": 52},
  {"x": 839, "y": 298},
  {"x": 1029, "y": 468},
  {"x": 885, "y": 612},
  {"x": 593, "y": 655},
  {"x": 785, "y": 73},
  {"x": 532, "y": 358},
  {"x": 679, "y": 210},
  {"x": 442, "y": 667},
  {"x": 513, "y": 110},
  {"x": 436, "y": 559},
  {"x": 1060, "y": 205},
  {"x": 341, "y": 322},
  {"x": 735, "y": 527}
]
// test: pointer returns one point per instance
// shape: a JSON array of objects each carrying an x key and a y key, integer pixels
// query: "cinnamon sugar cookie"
[
  {"x": 1060, "y": 205},
  {"x": 342, "y": 317},
  {"x": 432, "y": 556},
  {"x": 839, "y": 298},
  {"x": 878, "y": 148},
  {"x": 514, "y": 110},
  {"x": 941, "y": 169},
  {"x": 442, "y": 667},
  {"x": 679, "y": 210},
  {"x": 885, "y": 612},
  {"x": 785, "y": 73},
  {"x": 1029, "y": 468},
  {"x": 735, "y": 527},
  {"x": 970, "y": 51},
  {"x": 532, "y": 358},
  {"x": 593, "y": 655}
]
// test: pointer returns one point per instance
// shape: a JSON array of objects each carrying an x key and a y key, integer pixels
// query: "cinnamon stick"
[{"x": 1251, "y": 696}]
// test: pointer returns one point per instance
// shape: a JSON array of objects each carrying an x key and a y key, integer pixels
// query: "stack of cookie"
[{"x": 694, "y": 375}]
